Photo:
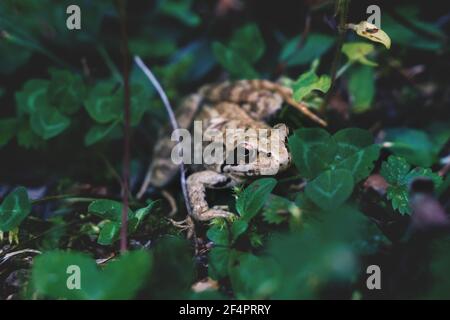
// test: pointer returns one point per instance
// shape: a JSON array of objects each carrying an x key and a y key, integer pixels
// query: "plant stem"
[
  {"x": 341, "y": 10},
  {"x": 343, "y": 69},
  {"x": 126, "y": 146}
]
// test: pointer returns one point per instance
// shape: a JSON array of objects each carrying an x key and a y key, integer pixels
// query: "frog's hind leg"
[
  {"x": 197, "y": 184},
  {"x": 162, "y": 169}
]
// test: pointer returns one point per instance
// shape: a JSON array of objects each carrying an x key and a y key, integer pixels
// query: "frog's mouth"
[{"x": 253, "y": 169}]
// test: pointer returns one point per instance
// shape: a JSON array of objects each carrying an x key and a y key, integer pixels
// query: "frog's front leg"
[{"x": 197, "y": 184}]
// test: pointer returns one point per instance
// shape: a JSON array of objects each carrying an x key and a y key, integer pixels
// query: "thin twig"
[
  {"x": 126, "y": 152},
  {"x": 173, "y": 122}
]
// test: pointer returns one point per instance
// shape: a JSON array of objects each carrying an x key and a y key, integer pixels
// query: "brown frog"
[{"x": 238, "y": 106}]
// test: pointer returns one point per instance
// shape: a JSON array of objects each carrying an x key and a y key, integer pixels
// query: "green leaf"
[
  {"x": 98, "y": 132},
  {"x": 361, "y": 163},
  {"x": 141, "y": 213},
  {"x": 109, "y": 233},
  {"x": 218, "y": 262},
  {"x": 33, "y": 96},
  {"x": 276, "y": 209},
  {"x": 253, "y": 198},
  {"x": 139, "y": 104},
  {"x": 330, "y": 189},
  {"x": 414, "y": 145},
  {"x": 27, "y": 138},
  {"x": 254, "y": 277},
  {"x": 399, "y": 198},
  {"x": 66, "y": 91},
  {"x": 395, "y": 169},
  {"x": 47, "y": 122},
  {"x": 173, "y": 268},
  {"x": 316, "y": 44},
  {"x": 351, "y": 140},
  {"x": 180, "y": 10},
  {"x": 308, "y": 82},
  {"x": 120, "y": 279},
  {"x": 358, "y": 52},
  {"x": 14, "y": 209},
  {"x": 402, "y": 35},
  {"x": 321, "y": 253},
  {"x": 362, "y": 88},
  {"x": 424, "y": 173},
  {"x": 219, "y": 235},
  {"x": 8, "y": 128},
  {"x": 107, "y": 209},
  {"x": 12, "y": 57},
  {"x": 104, "y": 104},
  {"x": 312, "y": 150},
  {"x": 238, "y": 227},
  {"x": 248, "y": 42},
  {"x": 233, "y": 62}
]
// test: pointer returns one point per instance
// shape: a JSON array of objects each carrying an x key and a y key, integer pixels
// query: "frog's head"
[{"x": 266, "y": 155}]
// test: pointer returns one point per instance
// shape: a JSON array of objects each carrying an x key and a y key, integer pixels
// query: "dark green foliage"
[{"x": 308, "y": 233}]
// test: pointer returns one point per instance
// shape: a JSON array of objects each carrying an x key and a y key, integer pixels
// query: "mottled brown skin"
[{"x": 245, "y": 104}]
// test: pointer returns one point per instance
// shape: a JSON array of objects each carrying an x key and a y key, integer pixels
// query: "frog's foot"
[
  {"x": 196, "y": 186},
  {"x": 185, "y": 225}
]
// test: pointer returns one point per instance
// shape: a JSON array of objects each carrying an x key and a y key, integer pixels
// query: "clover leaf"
[
  {"x": 330, "y": 189},
  {"x": 120, "y": 279},
  {"x": 396, "y": 171},
  {"x": 14, "y": 209}
]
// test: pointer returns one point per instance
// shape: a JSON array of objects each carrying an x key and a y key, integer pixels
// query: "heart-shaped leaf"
[
  {"x": 33, "y": 95},
  {"x": 55, "y": 273},
  {"x": 253, "y": 198},
  {"x": 330, "y": 189},
  {"x": 107, "y": 209},
  {"x": 104, "y": 102},
  {"x": 66, "y": 91},
  {"x": 14, "y": 209},
  {"x": 48, "y": 122},
  {"x": 312, "y": 150},
  {"x": 361, "y": 163}
]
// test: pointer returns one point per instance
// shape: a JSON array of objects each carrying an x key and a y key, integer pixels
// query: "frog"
[{"x": 240, "y": 105}]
